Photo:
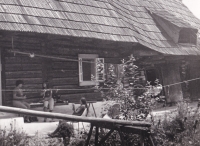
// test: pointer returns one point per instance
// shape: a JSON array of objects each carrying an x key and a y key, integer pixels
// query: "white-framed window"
[{"x": 91, "y": 69}]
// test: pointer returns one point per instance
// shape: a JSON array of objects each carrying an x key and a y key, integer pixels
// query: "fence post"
[{"x": 89, "y": 135}]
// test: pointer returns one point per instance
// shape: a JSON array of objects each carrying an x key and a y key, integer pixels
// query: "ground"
[{"x": 48, "y": 127}]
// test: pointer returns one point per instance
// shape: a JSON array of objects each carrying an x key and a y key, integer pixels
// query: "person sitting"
[
  {"x": 48, "y": 99},
  {"x": 78, "y": 112},
  {"x": 19, "y": 98},
  {"x": 83, "y": 105}
]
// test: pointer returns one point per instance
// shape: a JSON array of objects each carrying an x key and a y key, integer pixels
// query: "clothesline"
[
  {"x": 67, "y": 59},
  {"x": 32, "y": 55}
]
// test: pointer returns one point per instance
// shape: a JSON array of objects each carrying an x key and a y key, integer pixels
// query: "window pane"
[{"x": 86, "y": 66}]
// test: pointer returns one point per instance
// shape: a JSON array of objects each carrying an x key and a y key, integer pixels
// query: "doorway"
[{"x": 151, "y": 76}]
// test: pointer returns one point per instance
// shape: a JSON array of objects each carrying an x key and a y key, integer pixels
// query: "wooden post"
[
  {"x": 89, "y": 135},
  {"x": 151, "y": 140},
  {"x": 105, "y": 137},
  {"x": 142, "y": 140},
  {"x": 121, "y": 136},
  {"x": 0, "y": 80},
  {"x": 96, "y": 135},
  {"x": 3, "y": 76},
  {"x": 94, "y": 110}
]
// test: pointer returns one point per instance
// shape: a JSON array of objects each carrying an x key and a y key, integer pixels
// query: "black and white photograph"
[{"x": 99, "y": 72}]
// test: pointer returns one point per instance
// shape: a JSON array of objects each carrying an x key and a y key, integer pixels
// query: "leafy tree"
[{"x": 135, "y": 99}]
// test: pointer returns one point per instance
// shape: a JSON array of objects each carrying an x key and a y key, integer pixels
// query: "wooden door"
[
  {"x": 0, "y": 81},
  {"x": 194, "y": 85},
  {"x": 171, "y": 75}
]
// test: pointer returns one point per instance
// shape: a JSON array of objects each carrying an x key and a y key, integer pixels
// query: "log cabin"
[{"x": 50, "y": 40}]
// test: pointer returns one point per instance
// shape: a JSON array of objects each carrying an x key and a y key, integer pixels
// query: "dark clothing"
[
  {"x": 61, "y": 130},
  {"x": 47, "y": 93},
  {"x": 79, "y": 111}
]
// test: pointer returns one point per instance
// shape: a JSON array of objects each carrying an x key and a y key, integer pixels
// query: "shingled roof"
[
  {"x": 115, "y": 20},
  {"x": 150, "y": 34},
  {"x": 81, "y": 18}
]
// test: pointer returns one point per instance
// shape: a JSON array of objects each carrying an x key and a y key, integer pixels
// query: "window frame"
[
  {"x": 187, "y": 36},
  {"x": 80, "y": 58}
]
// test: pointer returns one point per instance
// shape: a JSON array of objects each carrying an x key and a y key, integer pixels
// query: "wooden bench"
[{"x": 41, "y": 104}]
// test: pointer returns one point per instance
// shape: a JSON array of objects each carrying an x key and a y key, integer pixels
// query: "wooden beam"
[
  {"x": 121, "y": 136},
  {"x": 3, "y": 78},
  {"x": 94, "y": 121},
  {"x": 106, "y": 137},
  {"x": 151, "y": 140},
  {"x": 143, "y": 52},
  {"x": 174, "y": 57},
  {"x": 89, "y": 136},
  {"x": 94, "y": 110},
  {"x": 96, "y": 135},
  {"x": 142, "y": 139}
]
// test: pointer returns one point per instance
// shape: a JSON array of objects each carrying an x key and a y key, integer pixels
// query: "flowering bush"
[{"x": 10, "y": 138}]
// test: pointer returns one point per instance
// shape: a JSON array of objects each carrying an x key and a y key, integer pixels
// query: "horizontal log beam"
[
  {"x": 65, "y": 81},
  {"x": 76, "y": 97},
  {"x": 11, "y": 82},
  {"x": 22, "y": 60},
  {"x": 65, "y": 65},
  {"x": 22, "y": 67},
  {"x": 92, "y": 120},
  {"x": 63, "y": 73},
  {"x": 24, "y": 74}
]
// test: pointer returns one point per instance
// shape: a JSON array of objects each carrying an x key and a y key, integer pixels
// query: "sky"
[{"x": 194, "y": 6}]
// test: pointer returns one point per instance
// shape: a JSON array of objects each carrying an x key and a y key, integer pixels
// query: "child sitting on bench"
[
  {"x": 78, "y": 112},
  {"x": 48, "y": 99}
]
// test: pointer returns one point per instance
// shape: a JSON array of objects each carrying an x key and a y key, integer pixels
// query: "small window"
[
  {"x": 91, "y": 69},
  {"x": 187, "y": 36}
]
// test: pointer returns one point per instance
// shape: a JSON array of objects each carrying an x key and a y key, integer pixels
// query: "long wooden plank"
[
  {"x": 63, "y": 73},
  {"x": 26, "y": 87},
  {"x": 68, "y": 91},
  {"x": 76, "y": 97},
  {"x": 92, "y": 120},
  {"x": 22, "y": 67},
  {"x": 21, "y": 59},
  {"x": 136, "y": 130},
  {"x": 65, "y": 65},
  {"x": 11, "y": 60},
  {"x": 11, "y": 82},
  {"x": 65, "y": 81},
  {"x": 24, "y": 74}
]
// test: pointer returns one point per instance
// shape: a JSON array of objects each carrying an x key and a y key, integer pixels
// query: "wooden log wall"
[
  {"x": 20, "y": 67},
  {"x": 65, "y": 74},
  {"x": 171, "y": 75},
  {"x": 61, "y": 74},
  {"x": 194, "y": 85}
]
